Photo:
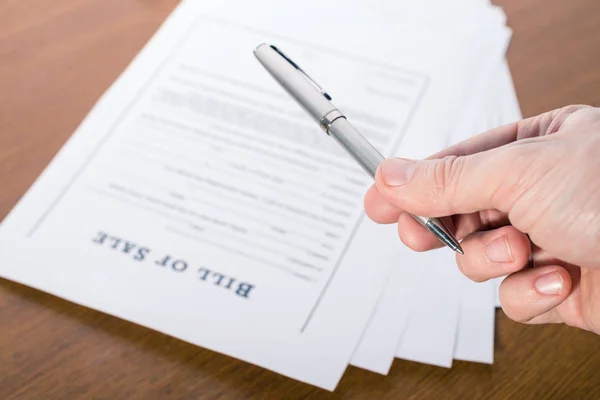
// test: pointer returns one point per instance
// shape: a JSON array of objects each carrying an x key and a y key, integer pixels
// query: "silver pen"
[{"x": 314, "y": 100}]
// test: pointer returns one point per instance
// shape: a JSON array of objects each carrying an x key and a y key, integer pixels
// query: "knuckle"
[
  {"x": 554, "y": 121},
  {"x": 445, "y": 176},
  {"x": 529, "y": 170},
  {"x": 442, "y": 172}
]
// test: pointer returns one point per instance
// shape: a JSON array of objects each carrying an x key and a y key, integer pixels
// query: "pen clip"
[{"x": 308, "y": 78}]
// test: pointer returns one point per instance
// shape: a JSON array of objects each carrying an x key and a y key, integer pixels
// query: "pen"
[{"x": 314, "y": 100}]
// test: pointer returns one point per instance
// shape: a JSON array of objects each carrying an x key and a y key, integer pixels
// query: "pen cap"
[{"x": 294, "y": 82}]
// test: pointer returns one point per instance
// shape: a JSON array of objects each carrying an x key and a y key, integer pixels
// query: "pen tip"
[{"x": 438, "y": 227}]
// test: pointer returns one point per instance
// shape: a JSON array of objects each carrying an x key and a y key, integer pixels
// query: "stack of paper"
[{"x": 198, "y": 199}]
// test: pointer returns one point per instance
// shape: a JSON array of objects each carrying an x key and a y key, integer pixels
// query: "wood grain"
[{"x": 56, "y": 59}]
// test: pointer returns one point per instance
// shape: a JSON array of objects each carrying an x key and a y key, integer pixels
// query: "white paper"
[
  {"x": 197, "y": 200},
  {"x": 476, "y": 314},
  {"x": 475, "y": 340},
  {"x": 431, "y": 332},
  {"x": 473, "y": 326},
  {"x": 475, "y": 331},
  {"x": 509, "y": 111},
  {"x": 377, "y": 348},
  {"x": 475, "y": 335}
]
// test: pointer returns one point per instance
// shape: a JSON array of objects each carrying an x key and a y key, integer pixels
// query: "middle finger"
[{"x": 494, "y": 253}]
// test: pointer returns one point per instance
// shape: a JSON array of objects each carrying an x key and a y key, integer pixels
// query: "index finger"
[
  {"x": 487, "y": 140},
  {"x": 540, "y": 125}
]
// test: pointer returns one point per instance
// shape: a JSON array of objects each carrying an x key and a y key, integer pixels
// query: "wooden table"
[{"x": 58, "y": 56}]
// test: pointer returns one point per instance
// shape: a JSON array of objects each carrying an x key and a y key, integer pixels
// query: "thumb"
[{"x": 451, "y": 185}]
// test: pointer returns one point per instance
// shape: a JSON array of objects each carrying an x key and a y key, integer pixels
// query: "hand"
[{"x": 528, "y": 191}]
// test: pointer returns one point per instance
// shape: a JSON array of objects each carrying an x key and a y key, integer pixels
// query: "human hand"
[{"x": 528, "y": 191}]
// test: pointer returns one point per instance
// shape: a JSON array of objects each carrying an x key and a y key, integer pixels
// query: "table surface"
[{"x": 56, "y": 59}]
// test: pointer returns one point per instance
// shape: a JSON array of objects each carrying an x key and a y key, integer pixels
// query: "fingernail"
[
  {"x": 397, "y": 171},
  {"x": 551, "y": 283},
  {"x": 498, "y": 250}
]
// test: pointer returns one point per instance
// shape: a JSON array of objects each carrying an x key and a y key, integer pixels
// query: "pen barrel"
[
  {"x": 422, "y": 220},
  {"x": 361, "y": 150},
  {"x": 294, "y": 82},
  {"x": 369, "y": 159},
  {"x": 356, "y": 145}
]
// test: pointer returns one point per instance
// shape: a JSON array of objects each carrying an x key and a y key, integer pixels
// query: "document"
[
  {"x": 431, "y": 332},
  {"x": 378, "y": 344},
  {"x": 476, "y": 323},
  {"x": 481, "y": 54},
  {"x": 196, "y": 199},
  {"x": 475, "y": 340},
  {"x": 509, "y": 111}
]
